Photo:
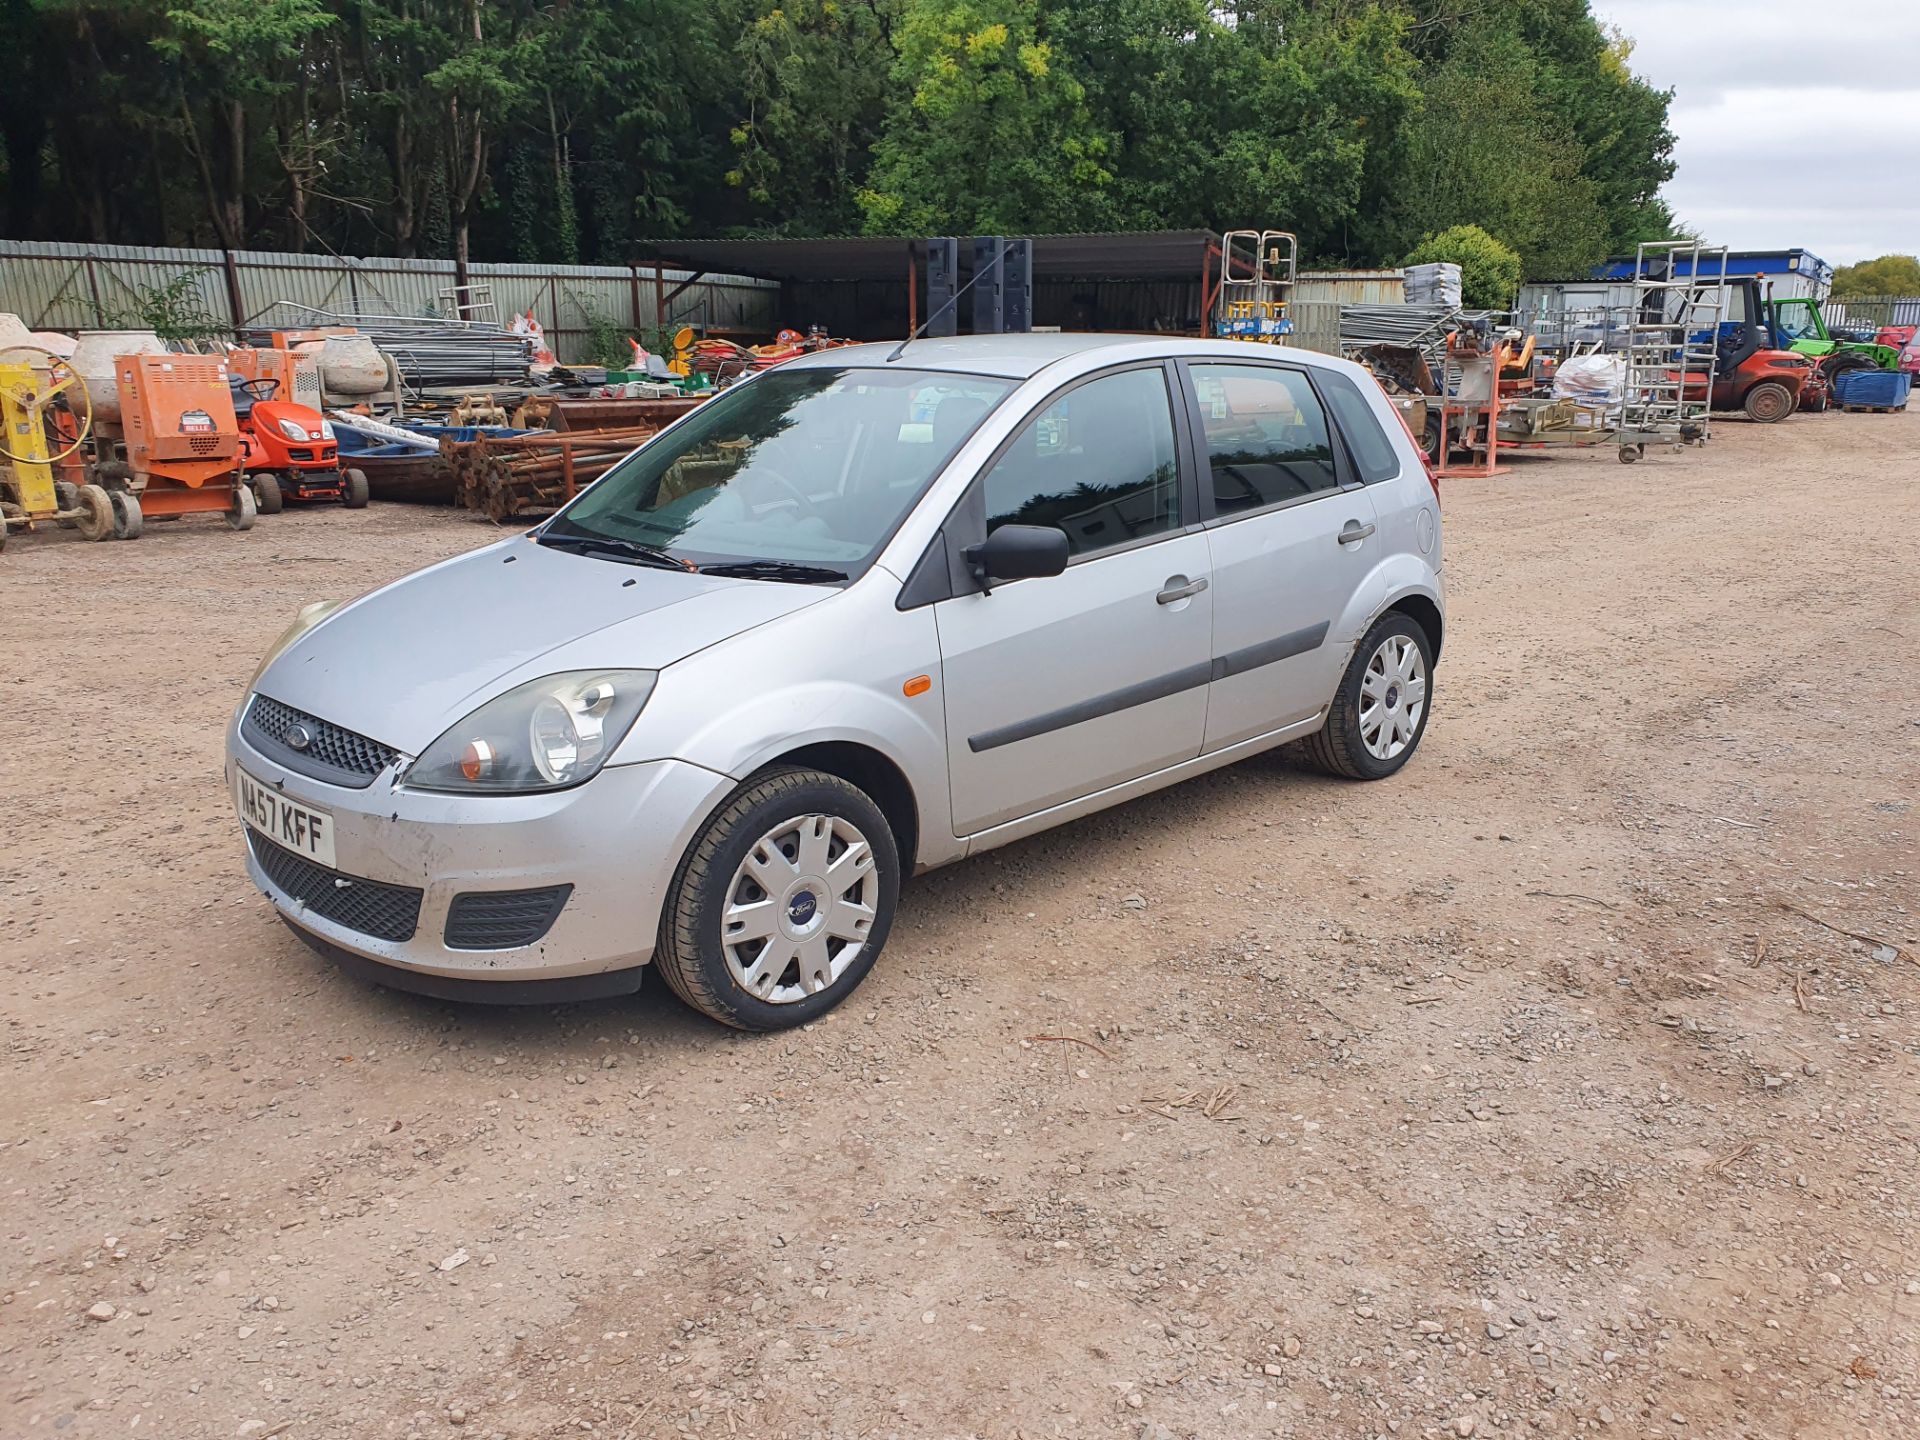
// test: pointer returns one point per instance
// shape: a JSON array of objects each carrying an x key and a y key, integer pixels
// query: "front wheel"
[
  {"x": 240, "y": 513},
  {"x": 357, "y": 490},
  {"x": 267, "y": 495},
  {"x": 1380, "y": 710},
  {"x": 128, "y": 521},
  {"x": 1767, "y": 402},
  {"x": 782, "y": 903}
]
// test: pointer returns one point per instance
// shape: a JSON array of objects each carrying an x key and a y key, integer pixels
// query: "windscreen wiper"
[
  {"x": 630, "y": 550},
  {"x": 775, "y": 570}
]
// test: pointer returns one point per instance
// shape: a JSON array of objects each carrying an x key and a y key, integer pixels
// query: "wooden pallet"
[{"x": 1873, "y": 409}]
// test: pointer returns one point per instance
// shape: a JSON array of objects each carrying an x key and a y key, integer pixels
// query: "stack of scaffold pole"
[{"x": 504, "y": 476}]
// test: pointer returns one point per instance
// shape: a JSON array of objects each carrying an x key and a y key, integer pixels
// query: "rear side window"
[
  {"x": 1367, "y": 442},
  {"x": 1098, "y": 463},
  {"x": 1266, "y": 435}
]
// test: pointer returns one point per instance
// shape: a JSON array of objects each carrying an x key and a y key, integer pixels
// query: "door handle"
[
  {"x": 1354, "y": 532},
  {"x": 1178, "y": 587}
]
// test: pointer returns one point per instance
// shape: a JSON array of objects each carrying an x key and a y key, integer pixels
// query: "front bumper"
[{"x": 617, "y": 840}]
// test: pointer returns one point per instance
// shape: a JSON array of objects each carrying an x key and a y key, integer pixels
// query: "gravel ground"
[{"x": 1564, "y": 1084}]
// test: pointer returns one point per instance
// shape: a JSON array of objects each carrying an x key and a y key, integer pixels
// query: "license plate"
[{"x": 289, "y": 824}]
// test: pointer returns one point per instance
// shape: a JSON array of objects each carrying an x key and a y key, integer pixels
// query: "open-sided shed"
[{"x": 874, "y": 287}]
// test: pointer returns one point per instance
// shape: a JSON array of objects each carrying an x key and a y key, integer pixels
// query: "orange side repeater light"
[{"x": 918, "y": 685}]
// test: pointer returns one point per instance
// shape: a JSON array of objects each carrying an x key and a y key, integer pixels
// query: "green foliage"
[
  {"x": 1489, "y": 271},
  {"x": 989, "y": 131},
  {"x": 1889, "y": 275},
  {"x": 173, "y": 311},
  {"x": 607, "y": 341},
  {"x": 550, "y": 132}
]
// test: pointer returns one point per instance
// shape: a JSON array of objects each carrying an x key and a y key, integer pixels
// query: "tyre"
[
  {"x": 128, "y": 522},
  {"x": 1631, "y": 453},
  {"x": 240, "y": 513},
  {"x": 66, "y": 495},
  {"x": 1841, "y": 361},
  {"x": 782, "y": 903},
  {"x": 267, "y": 498},
  {"x": 356, "y": 496},
  {"x": 1430, "y": 442},
  {"x": 1767, "y": 402},
  {"x": 1380, "y": 710},
  {"x": 95, "y": 521}
]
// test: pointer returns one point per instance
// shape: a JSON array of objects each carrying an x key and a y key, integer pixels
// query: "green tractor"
[{"x": 1799, "y": 326}]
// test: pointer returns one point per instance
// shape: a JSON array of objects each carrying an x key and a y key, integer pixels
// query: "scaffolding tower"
[
  {"x": 1672, "y": 342},
  {"x": 1258, "y": 270}
]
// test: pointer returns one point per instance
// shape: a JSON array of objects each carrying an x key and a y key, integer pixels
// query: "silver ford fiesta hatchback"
[{"x": 867, "y": 613}]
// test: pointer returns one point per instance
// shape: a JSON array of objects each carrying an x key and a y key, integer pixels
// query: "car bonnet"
[{"x": 402, "y": 664}]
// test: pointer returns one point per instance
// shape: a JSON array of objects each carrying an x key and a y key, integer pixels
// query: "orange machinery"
[{"x": 176, "y": 447}]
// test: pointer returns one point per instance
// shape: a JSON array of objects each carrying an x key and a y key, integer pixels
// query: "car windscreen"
[{"x": 805, "y": 467}]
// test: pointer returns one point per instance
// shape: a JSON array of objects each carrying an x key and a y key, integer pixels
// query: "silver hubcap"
[
  {"x": 800, "y": 908},
  {"x": 1393, "y": 696}
]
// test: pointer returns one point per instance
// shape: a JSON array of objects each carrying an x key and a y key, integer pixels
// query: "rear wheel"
[
  {"x": 1767, "y": 402},
  {"x": 267, "y": 496},
  {"x": 240, "y": 514},
  {"x": 783, "y": 902},
  {"x": 95, "y": 520},
  {"x": 357, "y": 489},
  {"x": 1380, "y": 710}
]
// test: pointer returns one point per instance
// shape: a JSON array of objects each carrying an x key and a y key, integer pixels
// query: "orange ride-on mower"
[{"x": 288, "y": 449}]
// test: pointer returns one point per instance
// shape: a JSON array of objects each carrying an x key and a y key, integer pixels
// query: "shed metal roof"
[{"x": 1118, "y": 255}]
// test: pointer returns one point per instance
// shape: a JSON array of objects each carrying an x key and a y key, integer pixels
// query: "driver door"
[{"x": 1061, "y": 686}]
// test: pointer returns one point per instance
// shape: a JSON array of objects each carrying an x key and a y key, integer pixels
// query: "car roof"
[{"x": 1017, "y": 357}]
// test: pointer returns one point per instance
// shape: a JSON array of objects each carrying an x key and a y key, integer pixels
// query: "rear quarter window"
[{"x": 1373, "y": 454}]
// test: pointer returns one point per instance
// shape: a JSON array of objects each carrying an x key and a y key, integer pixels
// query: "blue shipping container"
[{"x": 1886, "y": 388}]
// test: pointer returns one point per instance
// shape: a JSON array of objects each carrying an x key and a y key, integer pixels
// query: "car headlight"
[
  {"x": 326, "y": 430},
  {"x": 544, "y": 735},
  {"x": 293, "y": 430},
  {"x": 308, "y": 617}
]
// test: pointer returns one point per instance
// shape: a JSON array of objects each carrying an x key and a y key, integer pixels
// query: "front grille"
[
  {"x": 204, "y": 444},
  {"x": 333, "y": 753},
  {"x": 386, "y": 912},
  {"x": 300, "y": 454},
  {"x": 503, "y": 919}
]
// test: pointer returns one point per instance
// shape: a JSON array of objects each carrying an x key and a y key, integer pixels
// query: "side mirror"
[{"x": 1017, "y": 552}]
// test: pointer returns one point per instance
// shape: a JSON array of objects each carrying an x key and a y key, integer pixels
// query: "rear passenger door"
[{"x": 1289, "y": 527}]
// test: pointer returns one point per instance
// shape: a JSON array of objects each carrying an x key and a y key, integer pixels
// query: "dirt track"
[{"x": 1538, "y": 1090}]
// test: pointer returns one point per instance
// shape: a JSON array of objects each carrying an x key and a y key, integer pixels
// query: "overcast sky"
[{"x": 1798, "y": 122}]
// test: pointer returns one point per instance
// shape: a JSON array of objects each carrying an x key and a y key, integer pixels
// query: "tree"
[
  {"x": 989, "y": 131},
  {"x": 230, "y": 60},
  {"x": 1489, "y": 271},
  {"x": 1490, "y": 150},
  {"x": 1889, "y": 275},
  {"x": 813, "y": 77}
]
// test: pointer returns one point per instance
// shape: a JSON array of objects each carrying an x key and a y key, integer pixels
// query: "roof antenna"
[{"x": 952, "y": 300}]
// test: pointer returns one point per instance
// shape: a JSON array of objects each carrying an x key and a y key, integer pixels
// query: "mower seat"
[{"x": 242, "y": 401}]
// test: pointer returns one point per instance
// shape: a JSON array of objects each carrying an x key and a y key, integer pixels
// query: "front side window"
[
  {"x": 1266, "y": 436},
  {"x": 807, "y": 467},
  {"x": 1097, "y": 463}
]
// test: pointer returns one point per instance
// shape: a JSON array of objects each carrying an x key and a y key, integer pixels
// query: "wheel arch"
[
  {"x": 1424, "y": 611},
  {"x": 875, "y": 774}
]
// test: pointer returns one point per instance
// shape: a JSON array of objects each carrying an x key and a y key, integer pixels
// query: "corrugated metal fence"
[
  {"x": 67, "y": 287},
  {"x": 1874, "y": 310}
]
